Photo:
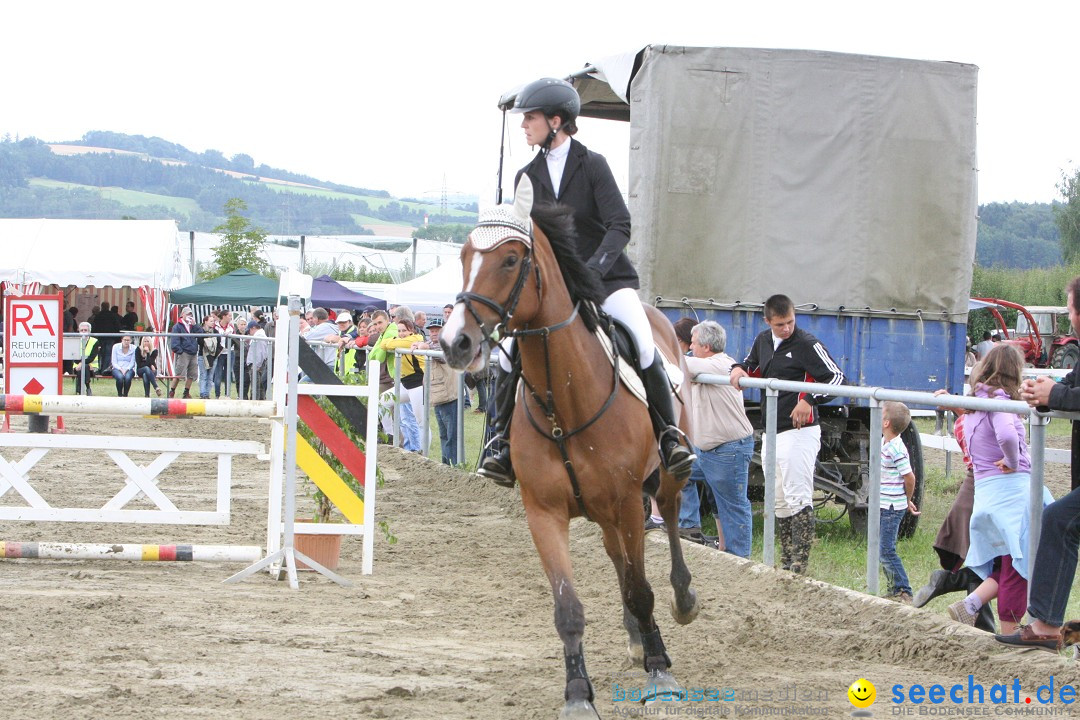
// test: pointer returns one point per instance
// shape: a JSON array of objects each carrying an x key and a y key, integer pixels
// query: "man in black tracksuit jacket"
[{"x": 786, "y": 352}]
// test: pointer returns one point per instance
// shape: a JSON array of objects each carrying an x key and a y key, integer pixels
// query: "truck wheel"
[
  {"x": 1066, "y": 357},
  {"x": 914, "y": 445},
  {"x": 857, "y": 518}
]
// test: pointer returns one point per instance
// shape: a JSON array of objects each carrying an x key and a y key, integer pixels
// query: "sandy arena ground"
[{"x": 455, "y": 623}]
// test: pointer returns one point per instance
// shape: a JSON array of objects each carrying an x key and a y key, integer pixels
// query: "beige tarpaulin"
[{"x": 842, "y": 180}]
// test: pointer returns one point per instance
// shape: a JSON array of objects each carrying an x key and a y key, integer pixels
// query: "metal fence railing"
[
  {"x": 231, "y": 363},
  {"x": 875, "y": 396}
]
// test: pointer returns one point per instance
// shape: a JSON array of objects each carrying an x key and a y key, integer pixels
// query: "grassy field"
[
  {"x": 373, "y": 202},
  {"x": 131, "y": 198}
]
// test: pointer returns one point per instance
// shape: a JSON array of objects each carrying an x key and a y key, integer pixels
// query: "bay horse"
[{"x": 581, "y": 443}]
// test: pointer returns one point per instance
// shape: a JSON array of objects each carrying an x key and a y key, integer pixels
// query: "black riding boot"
[
  {"x": 496, "y": 463},
  {"x": 676, "y": 457}
]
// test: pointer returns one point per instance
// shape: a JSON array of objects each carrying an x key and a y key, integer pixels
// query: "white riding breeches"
[{"x": 624, "y": 306}]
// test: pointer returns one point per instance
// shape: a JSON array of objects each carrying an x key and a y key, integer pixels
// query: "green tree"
[
  {"x": 448, "y": 232},
  {"x": 1067, "y": 216},
  {"x": 242, "y": 244}
]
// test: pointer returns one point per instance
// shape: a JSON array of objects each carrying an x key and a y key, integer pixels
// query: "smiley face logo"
[{"x": 862, "y": 693}]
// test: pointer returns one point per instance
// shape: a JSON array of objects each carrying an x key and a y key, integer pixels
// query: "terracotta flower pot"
[{"x": 323, "y": 549}]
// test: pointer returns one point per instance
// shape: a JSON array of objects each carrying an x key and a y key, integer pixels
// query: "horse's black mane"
[{"x": 557, "y": 224}]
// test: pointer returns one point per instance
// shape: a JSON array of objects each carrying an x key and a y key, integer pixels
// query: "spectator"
[
  {"x": 787, "y": 352},
  {"x": 684, "y": 327},
  {"x": 185, "y": 353},
  {"x": 131, "y": 318},
  {"x": 723, "y": 439},
  {"x": 123, "y": 365},
  {"x": 984, "y": 347},
  {"x": 224, "y": 328},
  {"x": 346, "y": 351},
  {"x": 324, "y": 336},
  {"x": 239, "y": 354},
  {"x": 71, "y": 325},
  {"x": 690, "y": 507},
  {"x": 107, "y": 325},
  {"x": 447, "y": 309},
  {"x": 897, "y": 486},
  {"x": 443, "y": 393},
  {"x": 1055, "y": 562},
  {"x": 146, "y": 365},
  {"x": 383, "y": 330},
  {"x": 84, "y": 369},
  {"x": 209, "y": 349},
  {"x": 412, "y": 377},
  {"x": 271, "y": 324},
  {"x": 951, "y": 543},
  {"x": 420, "y": 321},
  {"x": 257, "y": 353},
  {"x": 999, "y": 516}
]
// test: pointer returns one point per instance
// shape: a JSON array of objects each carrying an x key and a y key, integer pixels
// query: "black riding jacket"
[{"x": 801, "y": 358}]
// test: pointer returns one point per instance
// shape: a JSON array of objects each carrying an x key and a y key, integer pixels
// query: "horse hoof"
[
  {"x": 687, "y": 617},
  {"x": 662, "y": 687},
  {"x": 636, "y": 653},
  {"x": 579, "y": 710}
]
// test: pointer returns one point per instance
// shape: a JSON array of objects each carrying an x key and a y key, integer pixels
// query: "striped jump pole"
[
  {"x": 104, "y": 551},
  {"x": 165, "y": 407}
]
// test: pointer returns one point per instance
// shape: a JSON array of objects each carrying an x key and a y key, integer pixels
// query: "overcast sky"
[{"x": 400, "y": 95}]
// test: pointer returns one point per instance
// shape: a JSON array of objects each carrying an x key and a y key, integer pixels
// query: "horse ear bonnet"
[{"x": 506, "y": 222}]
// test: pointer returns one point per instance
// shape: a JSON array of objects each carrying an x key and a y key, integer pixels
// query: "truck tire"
[
  {"x": 857, "y": 514},
  {"x": 857, "y": 518},
  {"x": 1066, "y": 357},
  {"x": 914, "y": 446}
]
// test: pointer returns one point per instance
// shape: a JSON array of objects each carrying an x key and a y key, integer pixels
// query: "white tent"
[
  {"x": 102, "y": 253},
  {"x": 432, "y": 290}
]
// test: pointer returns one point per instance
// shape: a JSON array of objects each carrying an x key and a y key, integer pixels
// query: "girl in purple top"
[{"x": 999, "y": 517}]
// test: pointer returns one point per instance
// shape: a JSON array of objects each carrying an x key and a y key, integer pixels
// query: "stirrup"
[
  {"x": 496, "y": 464},
  {"x": 677, "y": 458}
]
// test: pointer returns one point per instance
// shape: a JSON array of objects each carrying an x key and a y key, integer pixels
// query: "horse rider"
[{"x": 565, "y": 172}]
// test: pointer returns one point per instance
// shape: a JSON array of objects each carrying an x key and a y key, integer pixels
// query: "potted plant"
[{"x": 326, "y": 548}]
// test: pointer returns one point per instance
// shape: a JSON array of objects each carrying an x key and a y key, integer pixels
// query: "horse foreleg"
[
  {"x": 551, "y": 535},
  {"x": 625, "y": 546},
  {"x": 684, "y": 604}
]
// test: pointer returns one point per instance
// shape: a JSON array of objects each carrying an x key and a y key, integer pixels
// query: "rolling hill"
[{"x": 111, "y": 175}]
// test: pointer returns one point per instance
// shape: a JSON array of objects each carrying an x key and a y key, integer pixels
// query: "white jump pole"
[
  {"x": 95, "y": 405},
  {"x": 151, "y": 553}
]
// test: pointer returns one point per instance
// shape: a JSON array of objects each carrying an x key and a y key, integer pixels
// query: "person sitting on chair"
[{"x": 565, "y": 172}]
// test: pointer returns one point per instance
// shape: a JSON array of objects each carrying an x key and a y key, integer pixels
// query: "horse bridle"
[
  {"x": 502, "y": 329},
  {"x": 506, "y": 314}
]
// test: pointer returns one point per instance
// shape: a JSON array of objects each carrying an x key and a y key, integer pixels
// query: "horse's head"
[{"x": 496, "y": 262}]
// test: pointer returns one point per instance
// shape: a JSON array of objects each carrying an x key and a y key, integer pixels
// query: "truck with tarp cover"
[{"x": 847, "y": 182}]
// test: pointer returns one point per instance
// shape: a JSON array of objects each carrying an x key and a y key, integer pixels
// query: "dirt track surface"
[{"x": 455, "y": 623}]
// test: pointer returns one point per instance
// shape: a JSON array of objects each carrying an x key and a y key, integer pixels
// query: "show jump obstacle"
[{"x": 290, "y": 400}]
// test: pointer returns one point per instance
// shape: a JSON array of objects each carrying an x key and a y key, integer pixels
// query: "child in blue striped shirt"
[{"x": 897, "y": 486}]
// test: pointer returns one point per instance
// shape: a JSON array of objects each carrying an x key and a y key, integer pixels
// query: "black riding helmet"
[{"x": 551, "y": 97}]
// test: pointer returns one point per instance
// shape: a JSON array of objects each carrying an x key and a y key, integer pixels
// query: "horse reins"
[{"x": 506, "y": 314}]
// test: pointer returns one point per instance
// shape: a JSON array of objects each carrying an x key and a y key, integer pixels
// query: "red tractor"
[{"x": 1043, "y": 333}]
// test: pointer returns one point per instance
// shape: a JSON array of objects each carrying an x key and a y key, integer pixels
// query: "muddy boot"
[
  {"x": 942, "y": 582},
  {"x": 783, "y": 534},
  {"x": 677, "y": 457},
  {"x": 802, "y": 537},
  {"x": 496, "y": 463}
]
